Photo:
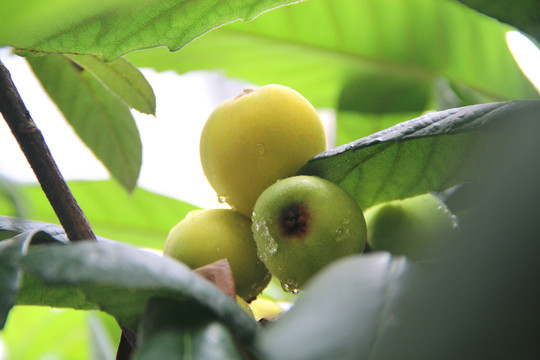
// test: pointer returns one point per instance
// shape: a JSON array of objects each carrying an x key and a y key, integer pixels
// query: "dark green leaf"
[
  {"x": 114, "y": 27},
  {"x": 431, "y": 153},
  {"x": 123, "y": 79},
  {"x": 315, "y": 46},
  {"x": 100, "y": 119},
  {"x": 343, "y": 311},
  {"x": 11, "y": 250},
  {"x": 120, "y": 279},
  {"x": 183, "y": 330},
  {"x": 526, "y": 16}
]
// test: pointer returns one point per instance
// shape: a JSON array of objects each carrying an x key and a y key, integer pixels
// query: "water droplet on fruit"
[
  {"x": 454, "y": 221},
  {"x": 290, "y": 286},
  {"x": 260, "y": 148},
  {"x": 341, "y": 234},
  {"x": 261, "y": 227},
  {"x": 222, "y": 199},
  {"x": 342, "y": 231}
]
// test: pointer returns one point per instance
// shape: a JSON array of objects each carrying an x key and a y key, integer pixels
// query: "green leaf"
[
  {"x": 123, "y": 79},
  {"x": 42, "y": 333},
  {"x": 113, "y": 28},
  {"x": 315, "y": 46},
  {"x": 352, "y": 125},
  {"x": 183, "y": 330},
  {"x": 382, "y": 93},
  {"x": 355, "y": 298},
  {"x": 526, "y": 16},
  {"x": 142, "y": 218},
  {"x": 431, "y": 153},
  {"x": 100, "y": 119},
  {"x": 121, "y": 279},
  {"x": 13, "y": 245}
]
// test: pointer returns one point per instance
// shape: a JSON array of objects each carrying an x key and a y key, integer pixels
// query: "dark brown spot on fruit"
[{"x": 295, "y": 221}]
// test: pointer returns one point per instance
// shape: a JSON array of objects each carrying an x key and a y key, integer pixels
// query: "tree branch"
[{"x": 37, "y": 153}]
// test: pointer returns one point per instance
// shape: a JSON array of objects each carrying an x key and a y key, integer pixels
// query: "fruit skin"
[
  {"x": 205, "y": 236},
  {"x": 303, "y": 223},
  {"x": 418, "y": 227},
  {"x": 244, "y": 305},
  {"x": 258, "y": 137},
  {"x": 265, "y": 309}
]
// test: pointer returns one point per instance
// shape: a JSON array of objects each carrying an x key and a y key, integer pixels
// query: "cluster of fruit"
[{"x": 279, "y": 224}]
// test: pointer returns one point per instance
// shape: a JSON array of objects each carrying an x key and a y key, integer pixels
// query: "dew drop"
[
  {"x": 454, "y": 221},
  {"x": 341, "y": 234},
  {"x": 261, "y": 227},
  {"x": 290, "y": 286},
  {"x": 342, "y": 231},
  {"x": 222, "y": 199}
]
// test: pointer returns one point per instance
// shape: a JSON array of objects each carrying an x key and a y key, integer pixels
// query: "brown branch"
[{"x": 40, "y": 159}]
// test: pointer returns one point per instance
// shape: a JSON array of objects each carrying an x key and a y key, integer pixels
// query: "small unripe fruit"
[
  {"x": 418, "y": 227},
  {"x": 260, "y": 136},
  {"x": 303, "y": 223},
  {"x": 206, "y": 236}
]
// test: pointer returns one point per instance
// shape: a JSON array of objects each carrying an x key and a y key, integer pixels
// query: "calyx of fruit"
[
  {"x": 262, "y": 135},
  {"x": 419, "y": 227},
  {"x": 303, "y": 223},
  {"x": 205, "y": 236}
]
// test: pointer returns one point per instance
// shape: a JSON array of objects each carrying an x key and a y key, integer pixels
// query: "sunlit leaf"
[
  {"x": 114, "y": 27},
  {"x": 40, "y": 332},
  {"x": 123, "y": 79},
  {"x": 100, "y": 119},
  {"x": 317, "y": 46}
]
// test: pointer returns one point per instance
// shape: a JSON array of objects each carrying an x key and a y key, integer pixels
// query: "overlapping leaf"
[
  {"x": 317, "y": 46},
  {"x": 121, "y": 279},
  {"x": 115, "y": 27},
  {"x": 183, "y": 330},
  {"x": 122, "y": 79},
  {"x": 354, "y": 298},
  {"x": 525, "y": 17},
  {"x": 431, "y": 153},
  {"x": 101, "y": 119}
]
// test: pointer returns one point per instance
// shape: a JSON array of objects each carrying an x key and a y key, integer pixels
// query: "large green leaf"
[
  {"x": 114, "y": 27},
  {"x": 123, "y": 79},
  {"x": 100, "y": 118},
  {"x": 431, "y": 153},
  {"x": 39, "y": 332},
  {"x": 174, "y": 330},
  {"x": 355, "y": 298},
  {"x": 317, "y": 46},
  {"x": 525, "y": 17},
  {"x": 142, "y": 218},
  {"x": 121, "y": 279}
]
